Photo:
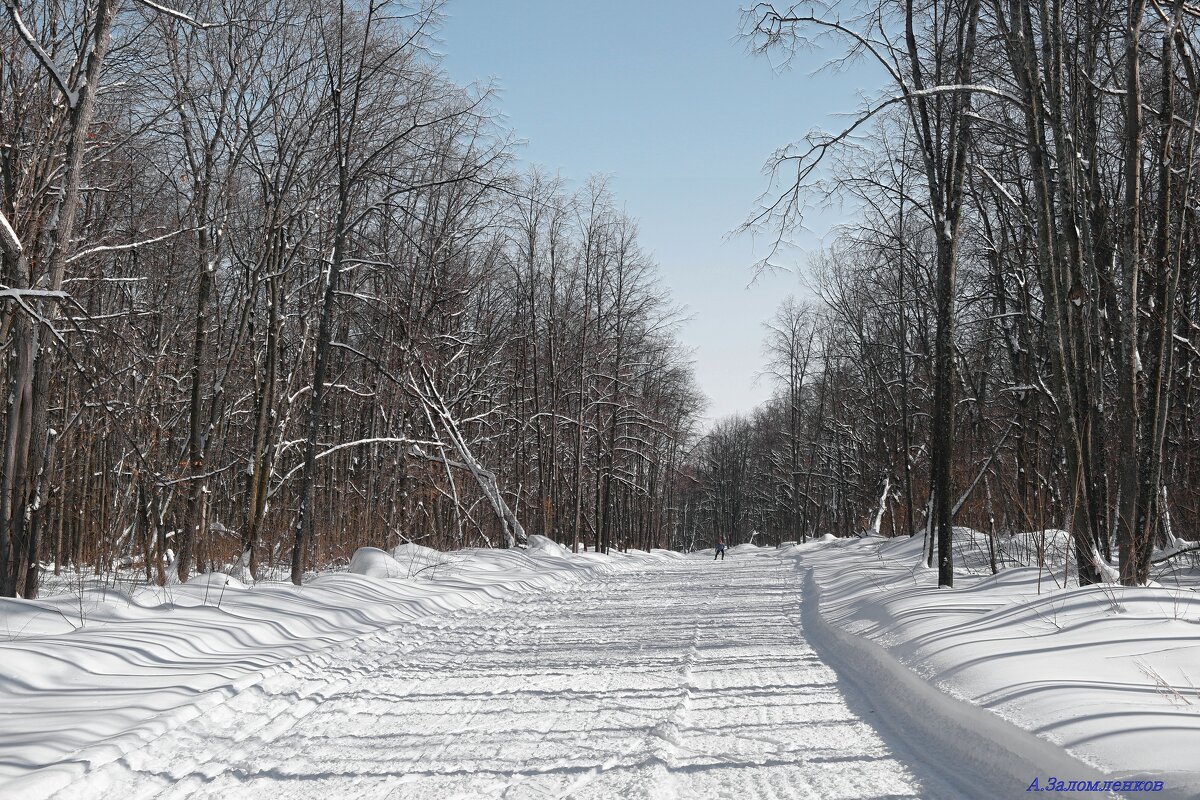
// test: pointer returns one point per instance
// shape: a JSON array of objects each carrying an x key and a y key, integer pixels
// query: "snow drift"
[
  {"x": 85, "y": 679},
  {"x": 1108, "y": 672}
]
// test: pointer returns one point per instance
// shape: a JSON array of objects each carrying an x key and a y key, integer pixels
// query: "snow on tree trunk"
[
  {"x": 514, "y": 532},
  {"x": 883, "y": 498}
]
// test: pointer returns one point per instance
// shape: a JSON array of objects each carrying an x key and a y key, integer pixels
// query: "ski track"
[{"x": 691, "y": 680}]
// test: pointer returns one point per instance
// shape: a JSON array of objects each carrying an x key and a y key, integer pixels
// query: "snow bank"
[
  {"x": 85, "y": 679},
  {"x": 416, "y": 559},
  {"x": 992, "y": 752},
  {"x": 1109, "y": 673},
  {"x": 670, "y": 554},
  {"x": 540, "y": 544},
  {"x": 376, "y": 563}
]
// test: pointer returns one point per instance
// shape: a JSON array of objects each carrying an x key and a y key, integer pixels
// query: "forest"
[
  {"x": 276, "y": 287},
  {"x": 1005, "y": 335}
]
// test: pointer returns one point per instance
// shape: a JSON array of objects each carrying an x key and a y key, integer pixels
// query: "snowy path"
[{"x": 691, "y": 680}]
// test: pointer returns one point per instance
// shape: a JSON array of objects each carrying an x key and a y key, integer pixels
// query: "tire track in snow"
[
  {"x": 689, "y": 681},
  {"x": 660, "y": 743},
  {"x": 259, "y": 715}
]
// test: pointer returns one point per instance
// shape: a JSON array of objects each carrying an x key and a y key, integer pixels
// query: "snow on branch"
[
  {"x": 114, "y": 248},
  {"x": 9, "y": 241},
  {"x": 20, "y": 295},
  {"x": 71, "y": 96},
  {"x": 435, "y": 405},
  {"x": 356, "y": 443},
  {"x": 179, "y": 15}
]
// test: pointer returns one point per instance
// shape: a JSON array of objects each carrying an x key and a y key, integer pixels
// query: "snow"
[
  {"x": 8, "y": 237},
  {"x": 416, "y": 556},
  {"x": 656, "y": 677},
  {"x": 376, "y": 563},
  {"x": 833, "y": 669},
  {"x": 541, "y": 544},
  {"x": 988, "y": 750},
  {"x": 88, "y": 679},
  {"x": 1108, "y": 672}
]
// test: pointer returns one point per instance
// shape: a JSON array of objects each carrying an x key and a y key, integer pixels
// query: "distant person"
[{"x": 720, "y": 553}]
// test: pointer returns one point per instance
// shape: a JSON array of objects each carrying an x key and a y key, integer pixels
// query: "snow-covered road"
[{"x": 690, "y": 680}]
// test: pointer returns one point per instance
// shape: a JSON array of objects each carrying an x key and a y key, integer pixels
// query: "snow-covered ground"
[
  {"x": 1110, "y": 673},
  {"x": 538, "y": 673},
  {"x": 654, "y": 677},
  {"x": 88, "y": 678}
]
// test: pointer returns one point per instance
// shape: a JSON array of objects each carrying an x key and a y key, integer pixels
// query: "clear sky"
[{"x": 662, "y": 96}]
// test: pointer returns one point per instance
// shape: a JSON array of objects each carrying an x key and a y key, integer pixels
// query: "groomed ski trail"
[{"x": 690, "y": 680}]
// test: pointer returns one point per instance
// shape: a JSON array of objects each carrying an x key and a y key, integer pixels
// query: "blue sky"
[{"x": 662, "y": 96}]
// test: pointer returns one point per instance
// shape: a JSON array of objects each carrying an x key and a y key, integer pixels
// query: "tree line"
[
  {"x": 275, "y": 288},
  {"x": 1005, "y": 333}
]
